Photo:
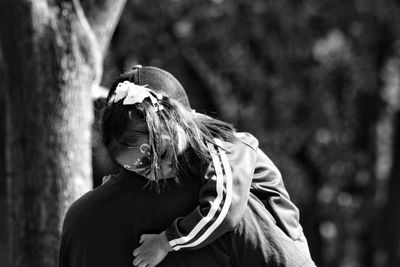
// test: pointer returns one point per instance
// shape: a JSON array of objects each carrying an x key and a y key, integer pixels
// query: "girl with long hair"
[{"x": 150, "y": 130}]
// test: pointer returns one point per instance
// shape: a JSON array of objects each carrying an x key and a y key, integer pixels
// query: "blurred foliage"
[{"x": 304, "y": 76}]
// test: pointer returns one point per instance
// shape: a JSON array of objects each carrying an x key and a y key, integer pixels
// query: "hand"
[{"x": 153, "y": 249}]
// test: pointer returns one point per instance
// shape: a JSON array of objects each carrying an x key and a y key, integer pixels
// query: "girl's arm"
[
  {"x": 222, "y": 198},
  {"x": 268, "y": 186},
  {"x": 226, "y": 182}
]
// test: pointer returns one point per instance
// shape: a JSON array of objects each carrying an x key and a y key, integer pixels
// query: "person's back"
[{"x": 103, "y": 227}]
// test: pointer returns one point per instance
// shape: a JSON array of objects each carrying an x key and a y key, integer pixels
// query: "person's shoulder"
[
  {"x": 80, "y": 206},
  {"x": 245, "y": 146},
  {"x": 84, "y": 200},
  {"x": 87, "y": 203},
  {"x": 247, "y": 139}
]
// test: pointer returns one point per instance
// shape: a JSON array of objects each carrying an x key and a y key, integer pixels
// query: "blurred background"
[{"x": 316, "y": 81}]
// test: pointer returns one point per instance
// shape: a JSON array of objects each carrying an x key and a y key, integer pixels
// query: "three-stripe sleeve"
[{"x": 222, "y": 198}]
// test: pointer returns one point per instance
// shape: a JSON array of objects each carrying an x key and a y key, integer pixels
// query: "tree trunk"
[{"x": 53, "y": 60}]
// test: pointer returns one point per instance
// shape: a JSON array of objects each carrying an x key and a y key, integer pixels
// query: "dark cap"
[{"x": 158, "y": 80}]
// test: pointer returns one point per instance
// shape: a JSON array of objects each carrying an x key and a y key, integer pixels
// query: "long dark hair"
[{"x": 187, "y": 129}]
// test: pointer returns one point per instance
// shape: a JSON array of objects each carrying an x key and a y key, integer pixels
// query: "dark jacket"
[{"x": 232, "y": 211}]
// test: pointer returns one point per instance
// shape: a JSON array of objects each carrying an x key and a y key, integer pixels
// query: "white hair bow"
[{"x": 134, "y": 93}]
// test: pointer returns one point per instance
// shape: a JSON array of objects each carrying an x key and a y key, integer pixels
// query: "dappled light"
[{"x": 317, "y": 82}]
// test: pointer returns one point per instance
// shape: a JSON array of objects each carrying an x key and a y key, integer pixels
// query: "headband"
[{"x": 133, "y": 94}]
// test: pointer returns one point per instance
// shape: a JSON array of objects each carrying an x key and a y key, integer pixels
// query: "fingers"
[
  {"x": 144, "y": 254},
  {"x": 143, "y": 264},
  {"x": 136, "y": 252},
  {"x": 137, "y": 261}
]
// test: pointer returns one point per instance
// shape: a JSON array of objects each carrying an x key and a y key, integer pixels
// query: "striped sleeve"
[{"x": 222, "y": 198}]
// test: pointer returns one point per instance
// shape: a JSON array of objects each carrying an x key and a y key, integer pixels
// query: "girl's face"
[{"x": 132, "y": 150}]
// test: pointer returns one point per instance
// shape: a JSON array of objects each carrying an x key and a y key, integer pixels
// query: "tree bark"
[
  {"x": 99, "y": 11},
  {"x": 53, "y": 59}
]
